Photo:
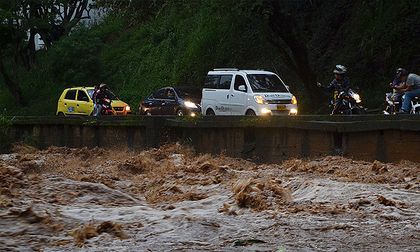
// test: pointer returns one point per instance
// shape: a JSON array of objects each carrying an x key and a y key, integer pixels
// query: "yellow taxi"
[{"x": 78, "y": 101}]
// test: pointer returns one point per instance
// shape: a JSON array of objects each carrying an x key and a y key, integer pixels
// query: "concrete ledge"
[{"x": 264, "y": 139}]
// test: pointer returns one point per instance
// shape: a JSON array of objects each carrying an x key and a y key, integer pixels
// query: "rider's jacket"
[
  {"x": 342, "y": 85},
  {"x": 99, "y": 96}
]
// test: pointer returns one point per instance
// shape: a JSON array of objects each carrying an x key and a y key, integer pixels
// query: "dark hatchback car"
[{"x": 180, "y": 101}]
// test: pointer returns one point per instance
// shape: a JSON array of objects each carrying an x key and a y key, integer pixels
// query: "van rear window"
[
  {"x": 218, "y": 81},
  {"x": 70, "y": 95}
]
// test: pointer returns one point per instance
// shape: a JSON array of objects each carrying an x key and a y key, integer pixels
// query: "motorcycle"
[
  {"x": 392, "y": 104},
  {"x": 106, "y": 107},
  {"x": 415, "y": 106},
  {"x": 347, "y": 103}
]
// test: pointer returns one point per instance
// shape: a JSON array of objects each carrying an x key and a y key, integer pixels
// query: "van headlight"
[
  {"x": 293, "y": 111},
  {"x": 189, "y": 104},
  {"x": 294, "y": 100},
  {"x": 265, "y": 111},
  {"x": 259, "y": 99}
]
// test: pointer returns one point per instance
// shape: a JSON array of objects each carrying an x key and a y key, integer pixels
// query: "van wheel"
[
  {"x": 179, "y": 113},
  {"x": 210, "y": 112},
  {"x": 250, "y": 113}
]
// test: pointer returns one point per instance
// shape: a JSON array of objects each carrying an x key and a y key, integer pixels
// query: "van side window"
[
  {"x": 225, "y": 81},
  {"x": 239, "y": 81},
  {"x": 82, "y": 96},
  {"x": 211, "y": 81},
  {"x": 70, "y": 95}
]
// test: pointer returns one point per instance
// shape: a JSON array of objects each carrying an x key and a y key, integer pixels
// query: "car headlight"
[
  {"x": 294, "y": 100},
  {"x": 127, "y": 108},
  {"x": 189, "y": 104},
  {"x": 260, "y": 99}
]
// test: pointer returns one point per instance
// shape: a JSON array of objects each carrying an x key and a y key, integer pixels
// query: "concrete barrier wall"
[{"x": 270, "y": 139}]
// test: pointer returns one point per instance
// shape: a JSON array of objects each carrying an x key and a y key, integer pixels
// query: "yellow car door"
[
  {"x": 84, "y": 104},
  {"x": 70, "y": 102}
]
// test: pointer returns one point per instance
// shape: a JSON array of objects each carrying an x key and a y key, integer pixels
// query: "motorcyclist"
[
  {"x": 99, "y": 97},
  {"x": 340, "y": 83},
  {"x": 95, "y": 105},
  {"x": 398, "y": 85},
  {"x": 412, "y": 89}
]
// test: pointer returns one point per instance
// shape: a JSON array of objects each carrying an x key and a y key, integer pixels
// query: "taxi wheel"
[{"x": 61, "y": 114}]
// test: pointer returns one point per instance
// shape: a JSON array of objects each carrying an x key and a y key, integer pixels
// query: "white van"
[{"x": 230, "y": 91}]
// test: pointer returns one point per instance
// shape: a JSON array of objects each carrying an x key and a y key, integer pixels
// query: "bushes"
[{"x": 5, "y": 141}]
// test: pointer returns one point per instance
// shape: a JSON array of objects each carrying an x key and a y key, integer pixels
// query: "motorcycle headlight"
[
  {"x": 357, "y": 98},
  {"x": 189, "y": 104},
  {"x": 259, "y": 99},
  {"x": 294, "y": 100}
]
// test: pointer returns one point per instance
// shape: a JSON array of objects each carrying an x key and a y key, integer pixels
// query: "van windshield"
[{"x": 266, "y": 83}]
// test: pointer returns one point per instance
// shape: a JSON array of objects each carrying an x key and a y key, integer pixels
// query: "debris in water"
[
  {"x": 260, "y": 194},
  {"x": 89, "y": 231}
]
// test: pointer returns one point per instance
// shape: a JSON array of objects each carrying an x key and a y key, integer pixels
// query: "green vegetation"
[
  {"x": 183, "y": 40},
  {"x": 4, "y": 136}
]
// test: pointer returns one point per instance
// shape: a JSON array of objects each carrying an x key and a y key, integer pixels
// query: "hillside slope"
[{"x": 185, "y": 40}]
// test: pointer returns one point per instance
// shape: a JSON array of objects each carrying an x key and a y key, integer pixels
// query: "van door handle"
[
  {"x": 227, "y": 97},
  {"x": 232, "y": 95}
]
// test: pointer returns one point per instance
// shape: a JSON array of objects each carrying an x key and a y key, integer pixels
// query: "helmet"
[
  {"x": 340, "y": 69},
  {"x": 103, "y": 86},
  {"x": 401, "y": 72}
]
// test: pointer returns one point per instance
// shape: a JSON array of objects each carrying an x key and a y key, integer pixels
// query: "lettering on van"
[
  {"x": 222, "y": 108},
  {"x": 276, "y": 96}
]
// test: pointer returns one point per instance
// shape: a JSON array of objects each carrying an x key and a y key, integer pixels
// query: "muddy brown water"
[{"x": 171, "y": 199}]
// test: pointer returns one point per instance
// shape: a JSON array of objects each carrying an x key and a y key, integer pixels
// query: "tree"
[
  {"x": 12, "y": 37},
  {"x": 138, "y": 11},
  {"x": 285, "y": 33},
  {"x": 22, "y": 20}
]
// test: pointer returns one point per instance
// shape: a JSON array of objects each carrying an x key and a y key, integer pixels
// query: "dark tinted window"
[
  {"x": 170, "y": 94},
  {"x": 189, "y": 93},
  {"x": 110, "y": 95},
  {"x": 161, "y": 94},
  {"x": 261, "y": 83},
  {"x": 239, "y": 81},
  {"x": 90, "y": 92},
  {"x": 211, "y": 81},
  {"x": 82, "y": 96},
  {"x": 70, "y": 95},
  {"x": 225, "y": 81}
]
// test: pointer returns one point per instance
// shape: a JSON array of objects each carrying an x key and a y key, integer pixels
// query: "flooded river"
[{"x": 171, "y": 199}]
